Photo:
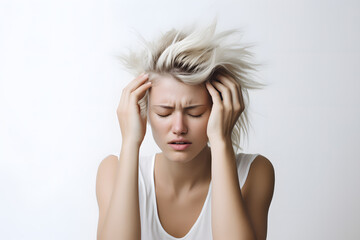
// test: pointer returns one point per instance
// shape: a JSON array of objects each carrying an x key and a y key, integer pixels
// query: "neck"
[{"x": 179, "y": 178}]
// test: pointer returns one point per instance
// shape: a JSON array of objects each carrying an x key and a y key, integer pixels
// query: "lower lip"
[{"x": 180, "y": 147}]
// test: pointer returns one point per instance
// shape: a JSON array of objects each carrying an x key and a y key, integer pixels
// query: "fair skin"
[
  {"x": 197, "y": 114},
  {"x": 179, "y": 110}
]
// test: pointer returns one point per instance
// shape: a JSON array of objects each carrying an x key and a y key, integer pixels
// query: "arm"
[
  {"x": 118, "y": 196},
  {"x": 240, "y": 214},
  {"x": 235, "y": 215},
  {"x": 229, "y": 216},
  {"x": 257, "y": 193},
  {"x": 117, "y": 180}
]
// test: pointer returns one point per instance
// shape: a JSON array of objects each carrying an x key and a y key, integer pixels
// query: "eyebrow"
[{"x": 170, "y": 107}]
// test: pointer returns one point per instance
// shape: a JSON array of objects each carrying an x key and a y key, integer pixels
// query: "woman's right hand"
[{"x": 132, "y": 124}]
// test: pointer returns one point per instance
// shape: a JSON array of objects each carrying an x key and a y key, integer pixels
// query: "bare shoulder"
[
  {"x": 261, "y": 179},
  {"x": 105, "y": 178},
  {"x": 262, "y": 167},
  {"x": 108, "y": 164},
  {"x": 258, "y": 192}
]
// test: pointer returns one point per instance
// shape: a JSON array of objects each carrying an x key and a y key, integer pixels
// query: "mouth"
[{"x": 180, "y": 146}]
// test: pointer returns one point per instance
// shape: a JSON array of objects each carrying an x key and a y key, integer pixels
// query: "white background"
[{"x": 60, "y": 84}]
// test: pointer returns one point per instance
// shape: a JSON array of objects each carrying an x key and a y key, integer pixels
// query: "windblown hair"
[{"x": 193, "y": 57}]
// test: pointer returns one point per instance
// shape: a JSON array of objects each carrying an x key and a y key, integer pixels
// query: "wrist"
[
  {"x": 130, "y": 145},
  {"x": 220, "y": 141}
]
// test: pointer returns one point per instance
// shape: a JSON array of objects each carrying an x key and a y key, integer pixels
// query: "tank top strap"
[{"x": 244, "y": 161}]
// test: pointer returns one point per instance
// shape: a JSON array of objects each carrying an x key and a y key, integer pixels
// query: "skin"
[
  {"x": 244, "y": 219},
  {"x": 245, "y": 210},
  {"x": 117, "y": 179},
  {"x": 179, "y": 110}
]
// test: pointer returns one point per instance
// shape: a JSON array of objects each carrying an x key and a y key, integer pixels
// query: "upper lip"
[{"x": 179, "y": 140}]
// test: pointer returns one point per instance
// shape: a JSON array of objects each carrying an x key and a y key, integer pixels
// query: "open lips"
[{"x": 179, "y": 144}]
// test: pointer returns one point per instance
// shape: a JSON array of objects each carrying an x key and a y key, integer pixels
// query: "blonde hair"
[{"x": 194, "y": 56}]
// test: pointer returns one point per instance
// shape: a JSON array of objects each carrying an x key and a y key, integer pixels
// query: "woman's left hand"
[{"x": 228, "y": 104}]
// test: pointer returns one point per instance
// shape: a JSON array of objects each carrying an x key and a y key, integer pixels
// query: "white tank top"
[{"x": 151, "y": 228}]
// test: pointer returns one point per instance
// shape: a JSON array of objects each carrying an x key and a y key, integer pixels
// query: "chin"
[{"x": 180, "y": 156}]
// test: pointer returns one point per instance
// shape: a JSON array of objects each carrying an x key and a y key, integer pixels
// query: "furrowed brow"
[{"x": 170, "y": 107}]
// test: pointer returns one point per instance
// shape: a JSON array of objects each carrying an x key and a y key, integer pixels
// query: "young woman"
[{"x": 198, "y": 187}]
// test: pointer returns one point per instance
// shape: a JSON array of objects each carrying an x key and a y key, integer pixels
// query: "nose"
[{"x": 179, "y": 126}]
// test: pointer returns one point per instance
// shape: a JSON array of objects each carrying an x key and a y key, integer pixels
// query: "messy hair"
[{"x": 195, "y": 56}]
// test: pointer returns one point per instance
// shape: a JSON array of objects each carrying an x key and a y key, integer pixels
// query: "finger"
[
  {"x": 215, "y": 95},
  {"x": 238, "y": 102},
  {"x": 232, "y": 80},
  {"x": 132, "y": 102},
  {"x": 225, "y": 93},
  {"x": 134, "y": 84},
  {"x": 140, "y": 92},
  {"x": 234, "y": 88}
]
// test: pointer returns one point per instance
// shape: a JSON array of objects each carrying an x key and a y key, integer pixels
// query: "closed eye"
[
  {"x": 195, "y": 116},
  {"x": 163, "y": 115}
]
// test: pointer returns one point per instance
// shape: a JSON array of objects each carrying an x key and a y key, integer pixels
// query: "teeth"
[{"x": 179, "y": 142}]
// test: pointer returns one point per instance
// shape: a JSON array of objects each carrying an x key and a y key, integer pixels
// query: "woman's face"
[{"x": 178, "y": 115}]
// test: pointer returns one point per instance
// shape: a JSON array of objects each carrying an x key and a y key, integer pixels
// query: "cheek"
[
  {"x": 156, "y": 134},
  {"x": 206, "y": 118},
  {"x": 157, "y": 127},
  {"x": 201, "y": 126}
]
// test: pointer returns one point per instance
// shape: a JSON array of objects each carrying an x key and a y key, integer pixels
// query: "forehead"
[{"x": 168, "y": 90}]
